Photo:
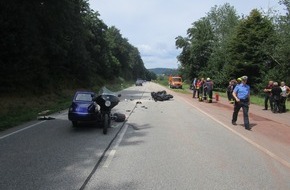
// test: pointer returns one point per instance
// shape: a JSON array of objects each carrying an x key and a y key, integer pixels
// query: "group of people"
[
  {"x": 238, "y": 93},
  {"x": 202, "y": 89},
  {"x": 276, "y": 95}
]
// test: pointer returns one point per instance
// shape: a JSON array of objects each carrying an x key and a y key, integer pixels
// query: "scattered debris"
[
  {"x": 43, "y": 115},
  {"x": 119, "y": 117},
  {"x": 161, "y": 96}
]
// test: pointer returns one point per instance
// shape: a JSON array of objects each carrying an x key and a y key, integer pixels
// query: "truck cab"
[{"x": 175, "y": 82}]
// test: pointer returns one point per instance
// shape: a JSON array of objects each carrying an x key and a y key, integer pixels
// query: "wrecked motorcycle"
[{"x": 106, "y": 100}]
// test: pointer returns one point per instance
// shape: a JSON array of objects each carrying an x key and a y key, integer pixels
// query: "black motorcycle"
[{"x": 106, "y": 100}]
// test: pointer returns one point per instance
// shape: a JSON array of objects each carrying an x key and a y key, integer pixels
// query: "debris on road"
[
  {"x": 161, "y": 96},
  {"x": 44, "y": 115}
]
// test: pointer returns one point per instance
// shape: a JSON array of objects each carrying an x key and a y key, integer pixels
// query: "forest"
[
  {"x": 56, "y": 44},
  {"x": 223, "y": 45},
  {"x": 47, "y": 45}
]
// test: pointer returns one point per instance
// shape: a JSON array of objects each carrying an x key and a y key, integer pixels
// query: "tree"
[
  {"x": 196, "y": 48},
  {"x": 281, "y": 56},
  {"x": 224, "y": 20},
  {"x": 55, "y": 44},
  {"x": 250, "y": 48}
]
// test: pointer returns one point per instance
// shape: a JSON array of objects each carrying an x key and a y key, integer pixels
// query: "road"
[{"x": 176, "y": 144}]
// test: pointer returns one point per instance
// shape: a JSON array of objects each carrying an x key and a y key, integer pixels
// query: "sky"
[{"x": 153, "y": 25}]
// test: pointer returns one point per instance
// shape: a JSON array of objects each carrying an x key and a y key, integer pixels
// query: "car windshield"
[{"x": 84, "y": 97}]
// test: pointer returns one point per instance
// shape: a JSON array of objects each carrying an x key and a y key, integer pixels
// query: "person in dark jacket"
[
  {"x": 230, "y": 90},
  {"x": 209, "y": 89},
  {"x": 268, "y": 98},
  {"x": 276, "y": 98}
]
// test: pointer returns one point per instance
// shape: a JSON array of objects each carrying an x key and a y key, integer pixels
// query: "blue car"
[{"x": 78, "y": 111}]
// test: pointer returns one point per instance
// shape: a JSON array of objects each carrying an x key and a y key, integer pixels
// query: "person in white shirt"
[{"x": 285, "y": 92}]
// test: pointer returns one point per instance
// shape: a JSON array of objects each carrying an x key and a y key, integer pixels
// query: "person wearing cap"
[
  {"x": 239, "y": 80},
  {"x": 241, "y": 95}
]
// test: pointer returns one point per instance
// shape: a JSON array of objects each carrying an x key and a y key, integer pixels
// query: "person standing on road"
[
  {"x": 200, "y": 90},
  {"x": 276, "y": 98},
  {"x": 241, "y": 95},
  {"x": 268, "y": 97},
  {"x": 194, "y": 87},
  {"x": 285, "y": 92},
  {"x": 230, "y": 90},
  {"x": 209, "y": 89}
]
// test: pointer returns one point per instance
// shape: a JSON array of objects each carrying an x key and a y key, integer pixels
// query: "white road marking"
[
  {"x": 114, "y": 149},
  {"x": 13, "y": 133},
  {"x": 261, "y": 148}
]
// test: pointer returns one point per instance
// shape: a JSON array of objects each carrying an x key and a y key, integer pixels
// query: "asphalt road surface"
[{"x": 175, "y": 144}]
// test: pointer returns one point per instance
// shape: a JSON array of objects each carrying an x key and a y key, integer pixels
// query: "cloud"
[{"x": 153, "y": 25}]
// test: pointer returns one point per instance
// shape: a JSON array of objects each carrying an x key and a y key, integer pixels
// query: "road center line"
[
  {"x": 114, "y": 149},
  {"x": 261, "y": 148},
  {"x": 13, "y": 133}
]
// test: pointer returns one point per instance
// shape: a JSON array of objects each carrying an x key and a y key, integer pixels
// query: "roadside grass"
[{"x": 17, "y": 109}]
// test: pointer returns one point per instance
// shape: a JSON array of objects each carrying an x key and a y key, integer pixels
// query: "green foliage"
[
  {"x": 251, "y": 46},
  {"x": 48, "y": 45},
  {"x": 224, "y": 46},
  {"x": 21, "y": 108}
]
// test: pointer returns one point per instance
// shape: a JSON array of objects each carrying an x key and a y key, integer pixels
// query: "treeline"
[
  {"x": 224, "y": 46},
  {"x": 53, "y": 44}
]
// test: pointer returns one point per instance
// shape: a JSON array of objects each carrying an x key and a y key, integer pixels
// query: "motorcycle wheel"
[{"x": 106, "y": 123}]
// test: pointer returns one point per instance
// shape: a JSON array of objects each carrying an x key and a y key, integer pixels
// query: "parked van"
[{"x": 175, "y": 82}]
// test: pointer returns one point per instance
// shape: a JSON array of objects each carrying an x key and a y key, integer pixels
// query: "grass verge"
[{"x": 17, "y": 109}]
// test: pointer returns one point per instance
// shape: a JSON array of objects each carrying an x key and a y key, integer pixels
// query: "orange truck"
[{"x": 175, "y": 82}]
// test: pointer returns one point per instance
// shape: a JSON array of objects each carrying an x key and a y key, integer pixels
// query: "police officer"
[{"x": 241, "y": 95}]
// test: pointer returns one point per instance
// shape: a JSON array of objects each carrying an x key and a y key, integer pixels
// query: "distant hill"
[{"x": 166, "y": 71}]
